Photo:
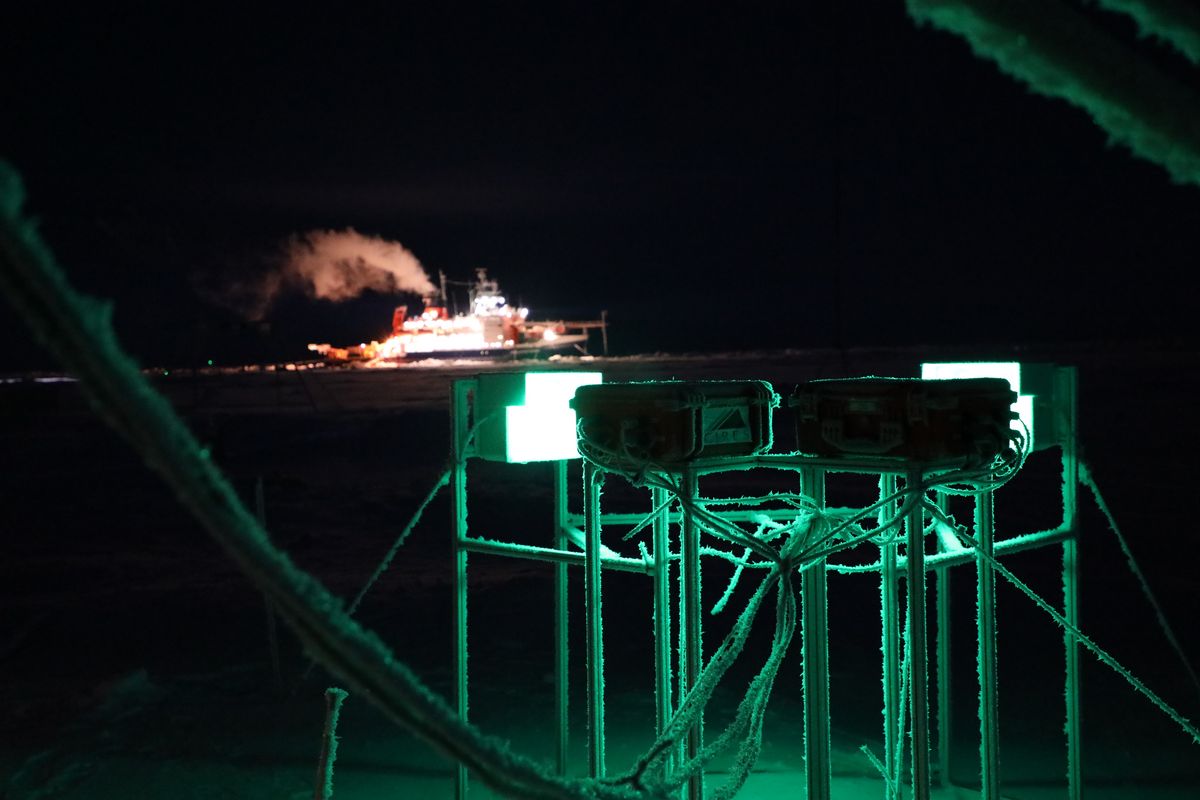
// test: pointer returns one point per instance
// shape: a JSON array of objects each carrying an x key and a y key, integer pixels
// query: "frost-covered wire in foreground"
[{"x": 78, "y": 331}]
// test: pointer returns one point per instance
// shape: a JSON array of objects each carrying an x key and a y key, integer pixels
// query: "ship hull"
[{"x": 532, "y": 350}]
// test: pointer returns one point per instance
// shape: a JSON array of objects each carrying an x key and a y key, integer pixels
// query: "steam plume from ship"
[
  {"x": 330, "y": 265},
  {"x": 340, "y": 265}
]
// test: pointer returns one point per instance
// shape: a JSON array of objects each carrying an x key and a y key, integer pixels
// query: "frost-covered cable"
[
  {"x": 884, "y": 773},
  {"x": 740, "y": 563},
  {"x": 1056, "y": 51},
  {"x": 648, "y": 520},
  {"x": 334, "y": 697},
  {"x": 1086, "y": 478},
  {"x": 734, "y": 560},
  {"x": 388, "y": 557},
  {"x": 1080, "y": 637},
  {"x": 796, "y": 499},
  {"x": 695, "y": 701},
  {"x": 78, "y": 331},
  {"x": 721, "y": 528},
  {"x": 868, "y": 535},
  {"x": 1172, "y": 21},
  {"x": 748, "y": 720},
  {"x": 747, "y": 723},
  {"x": 442, "y": 481},
  {"x": 719, "y": 606}
]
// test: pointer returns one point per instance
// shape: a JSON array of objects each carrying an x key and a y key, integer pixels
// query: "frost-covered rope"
[
  {"x": 1080, "y": 637},
  {"x": 1170, "y": 21},
  {"x": 78, "y": 331},
  {"x": 389, "y": 556},
  {"x": 648, "y": 520},
  {"x": 695, "y": 701},
  {"x": 881, "y": 769},
  {"x": 442, "y": 481},
  {"x": 1056, "y": 52},
  {"x": 719, "y": 606},
  {"x": 1086, "y": 478},
  {"x": 746, "y": 727},
  {"x": 748, "y": 723},
  {"x": 334, "y": 697}
]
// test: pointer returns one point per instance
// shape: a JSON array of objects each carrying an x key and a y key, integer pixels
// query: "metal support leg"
[
  {"x": 561, "y": 620},
  {"x": 918, "y": 655},
  {"x": 460, "y": 657},
  {"x": 889, "y": 580},
  {"x": 1074, "y": 726},
  {"x": 1065, "y": 389},
  {"x": 662, "y": 612},
  {"x": 691, "y": 629},
  {"x": 592, "y": 481},
  {"x": 945, "y": 706},
  {"x": 458, "y": 521},
  {"x": 989, "y": 725},
  {"x": 815, "y": 667}
]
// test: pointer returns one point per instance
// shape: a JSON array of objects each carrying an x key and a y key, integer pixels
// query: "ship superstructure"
[{"x": 491, "y": 326}]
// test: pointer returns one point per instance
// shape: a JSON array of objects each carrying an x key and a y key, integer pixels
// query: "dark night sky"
[{"x": 704, "y": 173}]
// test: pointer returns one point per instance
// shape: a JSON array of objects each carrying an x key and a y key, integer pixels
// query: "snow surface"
[{"x": 134, "y": 660}]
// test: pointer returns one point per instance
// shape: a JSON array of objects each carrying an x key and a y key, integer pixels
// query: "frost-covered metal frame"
[{"x": 678, "y": 641}]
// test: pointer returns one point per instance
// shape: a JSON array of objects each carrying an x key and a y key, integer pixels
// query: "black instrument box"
[
  {"x": 669, "y": 424},
  {"x": 908, "y": 418}
]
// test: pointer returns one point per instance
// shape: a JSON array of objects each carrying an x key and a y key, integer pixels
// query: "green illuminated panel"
[
  {"x": 555, "y": 389},
  {"x": 539, "y": 434},
  {"x": 528, "y": 415},
  {"x": 1009, "y": 370}
]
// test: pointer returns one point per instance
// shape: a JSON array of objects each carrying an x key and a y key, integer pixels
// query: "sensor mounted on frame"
[
  {"x": 669, "y": 424},
  {"x": 917, "y": 420}
]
